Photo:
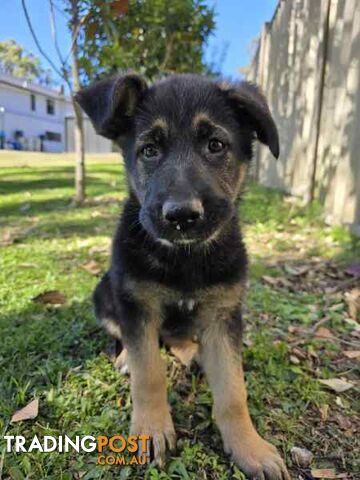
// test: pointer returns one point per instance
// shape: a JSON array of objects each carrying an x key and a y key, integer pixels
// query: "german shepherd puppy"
[{"x": 178, "y": 265}]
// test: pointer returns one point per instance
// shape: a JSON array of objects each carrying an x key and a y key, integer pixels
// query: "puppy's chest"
[{"x": 181, "y": 318}]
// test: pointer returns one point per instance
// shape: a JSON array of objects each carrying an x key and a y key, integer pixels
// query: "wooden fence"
[{"x": 308, "y": 65}]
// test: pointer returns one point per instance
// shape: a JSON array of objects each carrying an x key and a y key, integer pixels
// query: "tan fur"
[
  {"x": 158, "y": 123},
  {"x": 199, "y": 118},
  {"x": 112, "y": 326},
  {"x": 223, "y": 368},
  {"x": 151, "y": 413},
  {"x": 222, "y": 365}
]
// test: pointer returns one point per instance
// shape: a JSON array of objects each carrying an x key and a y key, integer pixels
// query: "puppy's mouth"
[{"x": 177, "y": 234}]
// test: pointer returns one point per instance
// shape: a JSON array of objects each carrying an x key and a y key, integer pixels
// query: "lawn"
[{"x": 299, "y": 330}]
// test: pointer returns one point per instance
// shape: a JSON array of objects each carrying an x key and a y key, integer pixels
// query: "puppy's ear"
[
  {"x": 252, "y": 109},
  {"x": 110, "y": 104}
]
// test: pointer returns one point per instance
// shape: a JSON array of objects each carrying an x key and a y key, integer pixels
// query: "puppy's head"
[{"x": 186, "y": 141}]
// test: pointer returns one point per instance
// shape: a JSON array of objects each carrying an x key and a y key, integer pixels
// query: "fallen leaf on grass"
[
  {"x": 324, "y": 473},
  {"x": 294, "y": 359},
  {"x": 343, "y": 422},
  {"x": 324, "y": 333},
  {"x": 53, "y": 297},
  {"x": 324, "y": 412},
  {"x": 298, "y": 270},
  {"x": 298, "y": 353},
  {"x": 337, "y": 384},
  {"x": 27, "y": 413},
  {"x": 92, "y": 267},
  {"x": 276, "y": 281},
  {"x": 352, "y": 354},
  {"x": 301, "y": 456},
  {"x": 352, "y": 299},
  {"x": 99, "y": 249}
]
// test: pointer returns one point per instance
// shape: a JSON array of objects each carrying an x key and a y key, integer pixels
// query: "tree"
[
  {"x": 16, "y": 61},
  {"x": 154, "y": 37},
  {"x": 78, "y": 15},
  {"x": 72, "y": 79}
]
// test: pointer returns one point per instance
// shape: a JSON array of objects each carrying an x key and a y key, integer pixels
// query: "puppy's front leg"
[
  {"x": 222, "y": 364},
  {"x": 151, "y": 414}
]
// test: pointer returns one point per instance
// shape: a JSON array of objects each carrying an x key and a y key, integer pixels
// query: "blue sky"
[{"x": 238, "y": 22}]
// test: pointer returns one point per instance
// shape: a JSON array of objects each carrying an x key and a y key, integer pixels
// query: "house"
[
  {"x": 32, "y": 116},
  {"x": 39, "y": 118}
]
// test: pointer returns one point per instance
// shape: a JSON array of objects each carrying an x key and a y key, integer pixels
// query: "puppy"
[{"x": 178, "y": 265}]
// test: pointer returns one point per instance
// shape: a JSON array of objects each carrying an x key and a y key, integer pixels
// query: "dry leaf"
[
  {"x": 185, "y": 351},
  {"x": 299, "y": 353},
  {"x": 99, "y": 249},
  {"x": 27, "y": 413},
  {"x": 324, "y": 333},
  {"x": 276, "y": 281},
  {"x": 324, "y": 412},
  {"x": 294, "y": 359},
  {"x": 352, "y": 354},
  {"x": 323, "y": 473},
  {"x": 53, "y": 297},
  {"x": 343, "y": 422},
  {"x": 352, "y": 299},
  {"x": 298, "y": 270},
  {"x": 301, "y": 456},
  {"x": 337, "y": 384},
  {"x": 92, "y": 267}
]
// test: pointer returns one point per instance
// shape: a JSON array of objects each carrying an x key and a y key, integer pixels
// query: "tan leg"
[
  {"x": 121, "y": 362},
  {"x": 256, "y": 457},
  {"x": 151, "y": 413}
]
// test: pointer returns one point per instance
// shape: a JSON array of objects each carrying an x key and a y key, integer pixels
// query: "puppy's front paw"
[
  {"x": 159, "y": 426},
  {"x": 257, "y": 458}
]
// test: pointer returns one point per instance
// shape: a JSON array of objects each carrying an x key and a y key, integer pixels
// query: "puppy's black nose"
[{"x": 183, "y": 213}]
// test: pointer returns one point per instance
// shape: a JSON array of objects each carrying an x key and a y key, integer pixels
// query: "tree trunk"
[{"x": 79, "y": 124}]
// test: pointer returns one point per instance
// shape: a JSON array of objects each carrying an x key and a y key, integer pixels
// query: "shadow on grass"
[
  {"x": 17, "y": 186},
  {"x": 42, "y": 342},
  {"x": 35, "y": 207},
  {"x": 41, "y": 171}
]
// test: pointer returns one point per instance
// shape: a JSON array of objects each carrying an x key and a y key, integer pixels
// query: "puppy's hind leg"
[{"x": 106, "y": 314}]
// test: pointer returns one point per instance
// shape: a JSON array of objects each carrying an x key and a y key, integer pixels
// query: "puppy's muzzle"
[{"x": 183, "y": 215}]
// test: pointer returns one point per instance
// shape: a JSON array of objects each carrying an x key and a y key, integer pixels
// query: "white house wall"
[{"x": 19, "y": 116}]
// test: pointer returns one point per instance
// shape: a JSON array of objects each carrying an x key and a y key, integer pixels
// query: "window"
[
  {"x": 50, "y": 107},
  {"x": 53, "y": 136},
  {"x": 32, "y": 102}
]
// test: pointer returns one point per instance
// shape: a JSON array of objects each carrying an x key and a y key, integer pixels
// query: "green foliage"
[
  {"x": 152, "y": 38},
  {"x": 16, "y": 61}
]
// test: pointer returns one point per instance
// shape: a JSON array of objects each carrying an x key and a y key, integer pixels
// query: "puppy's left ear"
[
  {"x": 252, "y": 110},
  {"x": 110, "y": 104}
]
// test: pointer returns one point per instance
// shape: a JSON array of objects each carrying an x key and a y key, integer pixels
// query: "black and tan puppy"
[{"x": 178, "y": 265}]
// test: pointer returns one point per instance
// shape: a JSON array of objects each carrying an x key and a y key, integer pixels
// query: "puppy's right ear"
[{"x": 110, "y": 104}]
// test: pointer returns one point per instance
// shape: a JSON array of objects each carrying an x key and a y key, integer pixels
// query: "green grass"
[{"x": 60, "y": 355}]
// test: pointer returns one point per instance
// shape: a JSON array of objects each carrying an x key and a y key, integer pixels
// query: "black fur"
[{"x": 181, "y": 168}]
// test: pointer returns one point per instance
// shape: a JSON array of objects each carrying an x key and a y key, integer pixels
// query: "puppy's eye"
[
  {"x": 216, "y": 146},
  {"x": 150, "y": 151}
]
